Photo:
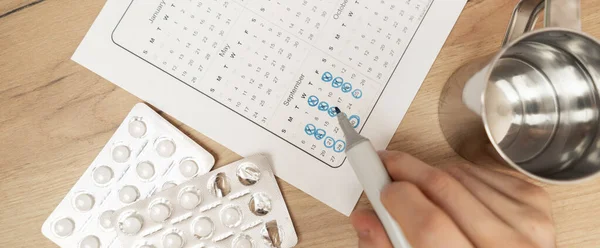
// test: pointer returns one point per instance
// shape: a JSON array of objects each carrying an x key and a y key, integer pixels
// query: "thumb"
[{"x": 369, "y": 229}]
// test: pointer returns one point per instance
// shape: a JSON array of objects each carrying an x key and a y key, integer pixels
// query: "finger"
[
  {"x": 476, "y": 221},
  {"x": 369, "y": 229},
  {"x": 423, "y": 223},
  {"x": 515, "y": 188},
  {"x": 528, "y": 221}
]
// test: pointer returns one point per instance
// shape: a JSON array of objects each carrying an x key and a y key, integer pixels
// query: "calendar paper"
[{"x": 263, "y": 76}]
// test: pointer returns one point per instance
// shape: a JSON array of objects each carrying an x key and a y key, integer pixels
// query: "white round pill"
[
  {"x": 128, "y": 194},
  {"x": 165, "y": 148},
  {"x": 160, "y": 212},
  {"x": 102, "y": 175},
  {"x": 131, "y": 225},
  {"x": 188, "y": 168},
  {"x": 173, "y": 240},
  {"x": 168, "y": 185},
  {"x": 121, "y": 154},
  {"x": 145, "y": 170},
  {"x": 84, "y": 202},
  {"x": 189, "y": 200},
  {"x": 105, "y": 219},
  {"x": 242, "y": 242},
  {"x": 64, "y": 227},
  {"x": 203, "y": 227},
  {"x": 137, "y": 128},
  {"x": 90, "y": 242},
  {"x": 231, "y": 216}
]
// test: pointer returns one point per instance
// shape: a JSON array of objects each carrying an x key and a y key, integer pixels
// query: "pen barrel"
[{"x": 373, "y": 176}]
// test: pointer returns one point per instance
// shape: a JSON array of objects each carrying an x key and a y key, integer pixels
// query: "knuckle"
[
  {"x": 395, "y": 157},
  {"x": 533, "y": 192},
  {"x": 433, "y": 223},
  {"x": 438, "y": 181},
  {"x": 456, "y": 171},
  {"x": 540, "y": 226}
]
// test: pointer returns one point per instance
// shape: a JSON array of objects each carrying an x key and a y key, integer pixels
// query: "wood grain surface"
[{"x": 55, "y": 116}]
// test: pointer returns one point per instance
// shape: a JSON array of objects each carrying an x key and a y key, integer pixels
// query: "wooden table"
[{"x": 55, "y": 116}]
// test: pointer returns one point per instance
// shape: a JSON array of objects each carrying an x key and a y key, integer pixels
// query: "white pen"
[{"x": 372, "y": 175}]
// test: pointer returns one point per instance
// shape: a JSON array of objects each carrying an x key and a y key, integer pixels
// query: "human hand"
[{"x": 457, "y": 207}]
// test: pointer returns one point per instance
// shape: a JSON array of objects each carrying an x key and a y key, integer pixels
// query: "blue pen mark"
[
  {"x": 357, "y": 93},
  {"x": 313, "y": 101},
  {"x": 337, "y": 82},
  {"x": 323, "y": 106},
  {"x": 339, "y": 146},
  {"x": 327, "y": 77},
  {"x": 354, "y": 120},
  {"x": 346, "y": 87},
  {"x": 332, "y": 112},
  {"x": 320, "y": 134},
  {"x": 310, "y": 129},
  {"x": 329, "y": 142}
]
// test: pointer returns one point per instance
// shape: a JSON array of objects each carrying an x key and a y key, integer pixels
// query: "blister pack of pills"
[
  {"x": 144, "y": 156},
  {"x": 238, "y": 206}
]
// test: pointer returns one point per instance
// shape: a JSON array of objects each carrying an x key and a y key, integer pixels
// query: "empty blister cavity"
[
  {"x": 168, "y": 185},
  {"x": 248, "y": 174},
  {"x": 90, "y": 242},
  {"x": 165, "y": 147},
  {"x": 128, "y": 194},
  {"x": 203, "y": 227},
  {"x": 63, "y": 227},
  {"x": 159, "y": 210},
  {"x": 260, "y": 204},
  {"x": 137, "y": 128},
  {"x": 231, "y": 216},
  {"x": 219, "y": 185},
  {"x": 272, "y": 234},
  {"x": 106, "y": 219},
  {"x": 83, "y": 202},
  {"x": 102, "y": 175},
  {"x": 213, "y": 210},
  {"x": 145, "y": 170},
  {"x": 131, "y": 224},
  {"x": 121, "y": 153},
  {"x": 189, "y": 198},
  {"x": 173, "y": 240},
  {"x": 242, "y": 241},
  {"x": 188, "y": 168}
]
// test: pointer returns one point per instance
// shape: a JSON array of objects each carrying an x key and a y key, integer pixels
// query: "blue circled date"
[
  {"x": 310, "y": 129},
  {"x": 339, "y": 146},
  {"x": 357, "y": 93},
  {"x": 337, "y": 82},
  {"x": 354, "y": 120},
  {"x": 329, "y": 142},
  {"x": 323, "y": 106},
  {"x": 346, "y": 87},
  {"x": 320, "y": 134},
  {"x": 332, "y": 112},
  {"x": 327, "y": 77},
  {"x": 313, "y": 101}
]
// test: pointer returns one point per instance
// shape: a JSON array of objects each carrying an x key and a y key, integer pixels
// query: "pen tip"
[{"x": 337, "y": 110}]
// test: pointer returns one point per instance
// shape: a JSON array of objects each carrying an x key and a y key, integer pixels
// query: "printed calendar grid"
[{"x": 364, "y": 120}]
